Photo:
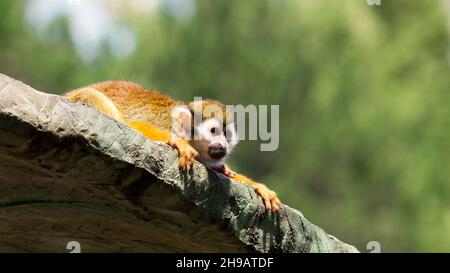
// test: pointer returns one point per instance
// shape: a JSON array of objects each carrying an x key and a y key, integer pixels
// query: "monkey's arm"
[
  {"x": 269, "y": 197},
  {"x": 186, "y": 152}
]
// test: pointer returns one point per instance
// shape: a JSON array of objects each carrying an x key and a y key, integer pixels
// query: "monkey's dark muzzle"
[{"x": 217, "y": 151}]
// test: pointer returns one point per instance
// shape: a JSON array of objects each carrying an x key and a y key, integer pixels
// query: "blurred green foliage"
[{"x": 363, "y": 94}]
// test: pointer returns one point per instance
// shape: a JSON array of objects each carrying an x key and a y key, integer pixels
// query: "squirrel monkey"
[{"x": 160, "y": 118}]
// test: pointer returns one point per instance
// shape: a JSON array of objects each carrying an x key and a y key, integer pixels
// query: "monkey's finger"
[
  {"x": 192, "y": 155},
  {"x": 190, "y": 160},
  {"x": 186, "y": 165},
  {"x": 189, "y": 163},
  {"x": 182, "y": 161},
  {"x": 186, "y": 161},
  {"x": 267, "y": 204},
  {"x": 276, "y": 204},
  {"x": 183, "y": 166},
  {"x": 266, "y": 201}
]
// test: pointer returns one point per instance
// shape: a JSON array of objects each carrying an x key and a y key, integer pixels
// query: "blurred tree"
[{"x": 363, "y": 95}]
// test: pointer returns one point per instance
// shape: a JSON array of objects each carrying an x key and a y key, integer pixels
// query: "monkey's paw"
[
  {"x": 186, "y": 152},
  {"x": 271, "y": 201},
  {"x": 228, "y": 172},
  {"x": 225, "y": 170}
]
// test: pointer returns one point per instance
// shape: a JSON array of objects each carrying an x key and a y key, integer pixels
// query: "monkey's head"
[{"x": 209, "y": 127}]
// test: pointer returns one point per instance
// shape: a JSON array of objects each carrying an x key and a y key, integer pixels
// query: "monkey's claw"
[
  {"x": 270, "y": 199},
  {"x": 186, "y": 153}
]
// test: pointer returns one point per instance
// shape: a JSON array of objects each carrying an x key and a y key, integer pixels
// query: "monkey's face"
[
  {"x": 214, "y": 141},
  {"x": 213, "y": 137}
]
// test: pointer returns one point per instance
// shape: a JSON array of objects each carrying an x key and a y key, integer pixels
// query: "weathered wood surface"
[{"x": 69, "y": 173}]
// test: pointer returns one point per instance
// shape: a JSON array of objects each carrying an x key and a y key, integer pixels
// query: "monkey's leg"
[
  {"x": 269, "y": 197},
  {"x": 186, "y": 152},
  {"x": 97, "y": 100}
]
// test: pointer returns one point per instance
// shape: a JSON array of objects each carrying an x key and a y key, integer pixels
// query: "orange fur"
[
  {"x": 137, "y": 103},
  {"x": 150, "y": 131}
]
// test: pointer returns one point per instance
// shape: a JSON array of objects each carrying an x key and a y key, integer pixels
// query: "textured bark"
[{"x": 69, "y": 173}]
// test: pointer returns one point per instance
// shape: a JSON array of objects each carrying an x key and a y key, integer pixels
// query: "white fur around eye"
[{"x": 205, "y": 128}]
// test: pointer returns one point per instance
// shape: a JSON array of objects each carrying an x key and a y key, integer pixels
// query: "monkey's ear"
[{"x": 182, "y": 122}]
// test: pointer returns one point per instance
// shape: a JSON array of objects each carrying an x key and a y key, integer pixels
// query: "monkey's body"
[
  {"x": 135, "y": 103},
  {"x": 150, "y": 113}
]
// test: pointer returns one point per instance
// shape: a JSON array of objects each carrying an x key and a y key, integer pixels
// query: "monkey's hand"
[
  {"x": 269, "y": 197},
  {"x": 186, "y": 152},
  {"x": 225, "y": 170}
]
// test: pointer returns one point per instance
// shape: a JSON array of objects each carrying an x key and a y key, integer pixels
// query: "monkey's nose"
[{"x": 217, "y": 151}]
